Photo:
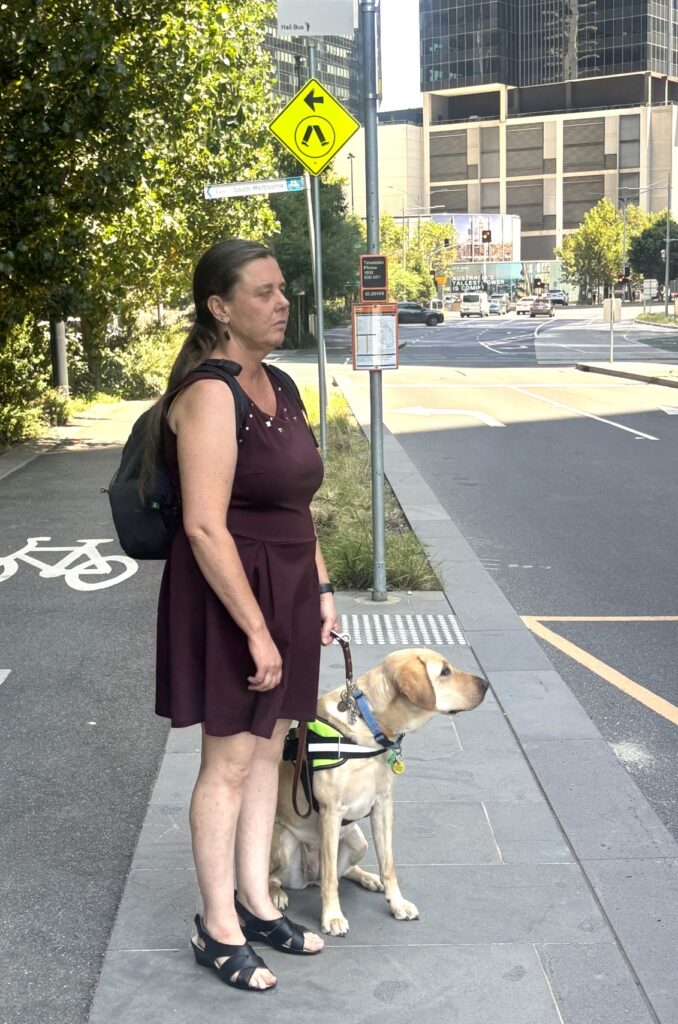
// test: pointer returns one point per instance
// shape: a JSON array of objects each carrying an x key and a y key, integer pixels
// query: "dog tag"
[
  {"x": 342, "y": 705},
  {"x": 398, "y": 767}
]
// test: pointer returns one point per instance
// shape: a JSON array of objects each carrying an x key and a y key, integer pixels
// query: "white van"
[{"x": 474, "y": 304}]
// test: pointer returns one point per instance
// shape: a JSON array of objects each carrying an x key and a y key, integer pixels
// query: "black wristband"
[{"x": 326, "y": 588}]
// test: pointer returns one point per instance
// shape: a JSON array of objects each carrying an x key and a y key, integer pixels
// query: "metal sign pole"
[
  {"x": 368, "y": 18},
  {"x": 320, "y": 314}
]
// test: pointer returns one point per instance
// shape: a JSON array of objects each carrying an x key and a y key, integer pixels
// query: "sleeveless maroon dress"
[{"x": 202, "y": 656}]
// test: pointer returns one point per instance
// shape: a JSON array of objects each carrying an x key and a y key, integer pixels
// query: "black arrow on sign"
[
  {"x": 309, "y": 131},
  {"x": 312, "y": 99}
]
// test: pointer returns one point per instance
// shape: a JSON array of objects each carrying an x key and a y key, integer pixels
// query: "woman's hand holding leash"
[{"x": 328, "y": 619}]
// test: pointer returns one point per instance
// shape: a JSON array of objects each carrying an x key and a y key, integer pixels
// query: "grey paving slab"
[
  {"x": 640, "y": 897},
  {"x": 597, "y": 802},
  {"x": 156, "y": 909},
  {"x": 527, "y": 833},
  {"x": 165, "y": 840},
  {"x": 478, "y": 604},
  {"x": 506, "y": 650},
  {"x": 501, "y": 775},
  {"x": 540, "y": 705},
  {"x": 176, "y": 779},
  {"x": 469, "y": 985},
  {"x": 593, "y": 985},
  {"x": 476, "y": 903},
  {"x": 184, "y": 741},
  {"x": 433, "y": 833},
  {"x": 484, "y": 732}
]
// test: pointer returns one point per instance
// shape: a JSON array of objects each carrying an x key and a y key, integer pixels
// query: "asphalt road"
[
  {"x": 566, "y": 486},
  {"x": 79, "y": 744}
]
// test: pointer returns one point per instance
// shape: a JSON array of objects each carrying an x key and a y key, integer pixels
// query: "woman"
[{"x": 245, "y": 600}]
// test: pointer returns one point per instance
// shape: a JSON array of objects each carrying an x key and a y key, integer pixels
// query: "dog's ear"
[{"x": 413, "y": 681}]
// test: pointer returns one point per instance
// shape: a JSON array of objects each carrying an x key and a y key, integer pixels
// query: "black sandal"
[
  {"x": 275, "y": 933},
  {"x": 242, "y": 960}
]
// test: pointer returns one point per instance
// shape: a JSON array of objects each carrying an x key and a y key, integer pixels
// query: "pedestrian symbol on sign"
[{"x": 314, "y": 134}]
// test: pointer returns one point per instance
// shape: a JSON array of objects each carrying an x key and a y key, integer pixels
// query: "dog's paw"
[
  {"x": 371, "y": 882},
  {"x": 279, "y": 897},
  {"x": 337, "y": 925},
  {"x": 404, "y": 911}
]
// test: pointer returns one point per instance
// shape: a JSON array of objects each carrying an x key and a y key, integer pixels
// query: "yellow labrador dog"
[{"x": 403, "y": 693}]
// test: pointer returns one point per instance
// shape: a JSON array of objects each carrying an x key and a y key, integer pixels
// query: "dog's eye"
[{"x": 445, "y": 671}]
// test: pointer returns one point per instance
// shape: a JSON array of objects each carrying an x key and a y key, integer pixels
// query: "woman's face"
[{"x": 258, "y": 308}]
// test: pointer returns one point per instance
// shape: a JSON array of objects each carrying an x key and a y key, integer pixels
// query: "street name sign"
[
  {"x": 233, "y": 189},
  {"x": 314, "y": 126},
  {"x": 375, "y": 336},
  {"x": 316, "y": 17},
  {"x": 373, "y": 278}
]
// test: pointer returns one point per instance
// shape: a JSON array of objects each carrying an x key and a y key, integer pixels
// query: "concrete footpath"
[{"x": 546, "y": 885}]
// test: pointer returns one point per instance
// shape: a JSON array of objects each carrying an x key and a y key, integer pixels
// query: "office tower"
[{"x": 540, "y": 108}]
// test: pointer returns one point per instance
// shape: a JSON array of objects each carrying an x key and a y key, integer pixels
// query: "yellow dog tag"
[{"x": 398, "y": 767}]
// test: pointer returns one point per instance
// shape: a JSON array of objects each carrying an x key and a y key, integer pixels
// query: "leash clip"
[{"x": 347, "y": 701}]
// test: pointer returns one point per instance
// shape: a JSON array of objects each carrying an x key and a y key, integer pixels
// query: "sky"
[{"x": 400, "y": 54}]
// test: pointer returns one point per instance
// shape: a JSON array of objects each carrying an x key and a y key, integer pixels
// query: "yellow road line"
[{"x": 640, "y": 693}]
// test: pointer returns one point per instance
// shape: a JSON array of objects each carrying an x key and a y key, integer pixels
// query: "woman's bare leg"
[
  {"x": 255, "y": 830},
  {"x": 215, "y": 806}
]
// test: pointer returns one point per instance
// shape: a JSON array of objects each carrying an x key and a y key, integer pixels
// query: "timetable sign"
[{"x": 373, "y": 278}]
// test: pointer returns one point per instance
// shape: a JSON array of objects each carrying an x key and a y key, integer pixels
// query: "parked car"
[
  {"x": 474, "y": 304},
  {"x": 496, "y": 306},
  {"x": 557, "y": 297},
  {"x": 524, "y": 305},
  {"x": 542, "y": 307},
  {"x": 415, "y": 313},
  {"x": 502, "y": 298}
]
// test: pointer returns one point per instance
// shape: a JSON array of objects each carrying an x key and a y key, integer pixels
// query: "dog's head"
[{"x": 431, "y": 683}]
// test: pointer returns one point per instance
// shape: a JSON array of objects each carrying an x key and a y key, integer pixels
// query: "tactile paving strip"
[{"x": 410, "y": 630}]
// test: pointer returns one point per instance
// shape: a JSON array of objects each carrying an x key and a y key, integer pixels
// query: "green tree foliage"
[
  {"x": 413, "y": 255},
  {"x": 113, "y": 116},
  {"x": 645, "y": 251},
  {"x": 342, "y": 240},
  {"x": 592, "y": 255}
]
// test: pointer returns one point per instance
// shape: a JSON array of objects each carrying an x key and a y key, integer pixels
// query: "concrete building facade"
[{"x": 542, "y": 107}]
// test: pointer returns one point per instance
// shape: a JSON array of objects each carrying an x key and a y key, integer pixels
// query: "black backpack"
[{"x": 147, "y": 526}]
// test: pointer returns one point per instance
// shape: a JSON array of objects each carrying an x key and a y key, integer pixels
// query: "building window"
[
  {"x": 489, "y": 152},
  {"x": 629, "y": 140},
  {"x": 584, "y": 145},
  {"x": 629, "y": 188},
  {"x": 579, "y": 195},
  {"x": 454, "y": 199},
  {"x": 524, "y": 150},
  {"x": 526, "y": 199},
  {"x": 449, "y": 160},
  {"x": 489, "y": 197}
]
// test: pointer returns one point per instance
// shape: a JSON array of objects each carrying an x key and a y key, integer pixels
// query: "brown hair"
[{"x": 216, "y": 273}]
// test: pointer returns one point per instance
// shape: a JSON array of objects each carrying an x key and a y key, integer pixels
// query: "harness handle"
[{"x": 300, "y": 764}]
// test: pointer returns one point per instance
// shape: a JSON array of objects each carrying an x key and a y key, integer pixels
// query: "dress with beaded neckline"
[{"x": 203, "y": 660}]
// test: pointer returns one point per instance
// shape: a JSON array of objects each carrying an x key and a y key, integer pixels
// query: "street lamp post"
[{"x": 351, "y": 157}]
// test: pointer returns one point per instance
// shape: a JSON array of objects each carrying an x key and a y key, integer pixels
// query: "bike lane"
[{"x": 79, "y": 743}]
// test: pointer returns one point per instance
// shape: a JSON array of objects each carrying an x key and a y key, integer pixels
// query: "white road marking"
[
  {"x": 670, "y": 409},
  {"x": 420, "y": 410},
  {"x": 580, "y": 412},
  {"x": 4, "y": 672}
]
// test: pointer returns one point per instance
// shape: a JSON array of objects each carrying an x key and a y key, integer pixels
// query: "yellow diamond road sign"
[{"x": 314, "y": 126}]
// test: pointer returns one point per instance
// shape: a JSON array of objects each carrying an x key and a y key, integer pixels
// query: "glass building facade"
[
  {"x": 338, "y": 66},
  {"x": 539, "y": 42}
]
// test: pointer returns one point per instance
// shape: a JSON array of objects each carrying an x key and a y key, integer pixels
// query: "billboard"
[{"x": 504, "y": 246}]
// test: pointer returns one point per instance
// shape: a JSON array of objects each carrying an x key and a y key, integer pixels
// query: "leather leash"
[{"x": 347, "y": 703}]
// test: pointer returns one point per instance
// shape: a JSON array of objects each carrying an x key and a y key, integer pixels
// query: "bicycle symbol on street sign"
[{"x": 83, "y": 567}]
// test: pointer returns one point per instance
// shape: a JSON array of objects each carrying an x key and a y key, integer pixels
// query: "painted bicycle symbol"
[{"x": 83, "y": 566}]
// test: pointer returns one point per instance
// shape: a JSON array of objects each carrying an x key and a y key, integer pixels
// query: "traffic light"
[
  {"x": 486, "y": 236},
  {"x": 446, "y": 242},
  {"x": 664, "y": 255},
  {"x": 433, "y": 274},
  {"x": 537, "y": 282}
]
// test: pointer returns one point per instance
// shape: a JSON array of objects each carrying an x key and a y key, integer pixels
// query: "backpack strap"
[
  {"x": 227, "y": 370},
  {"x": 290, "y": 386}
]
